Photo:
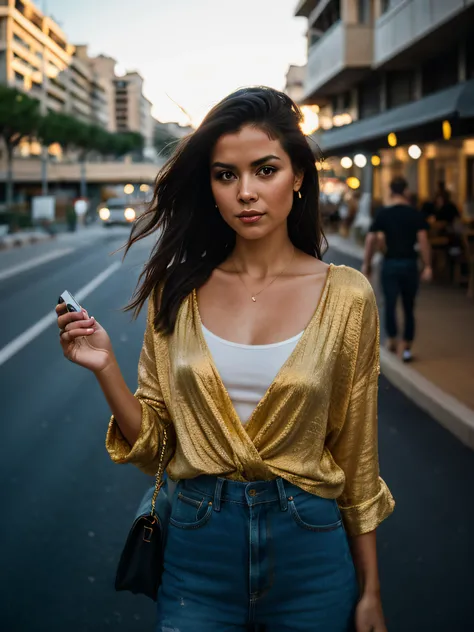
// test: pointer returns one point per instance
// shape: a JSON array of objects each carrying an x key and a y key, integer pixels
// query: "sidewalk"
[
  {"x": 441, "y": 379},
  {"x": 32, "y": 236}
]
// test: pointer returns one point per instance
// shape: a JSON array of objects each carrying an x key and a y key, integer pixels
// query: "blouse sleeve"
[
  {"x": 366, "y": 500},
  {"x": 146, "y": 450}
]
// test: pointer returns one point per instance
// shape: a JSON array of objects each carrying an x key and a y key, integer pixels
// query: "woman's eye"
[
  {"x": 267, "y": 171},
  {"x": 225, "y": 175}
]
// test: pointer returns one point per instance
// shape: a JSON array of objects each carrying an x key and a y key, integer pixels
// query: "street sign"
[{"x": 43, "y": 207}]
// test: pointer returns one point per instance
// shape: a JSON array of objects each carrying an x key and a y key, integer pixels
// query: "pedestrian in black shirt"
[{"x": 402, "y": 227}]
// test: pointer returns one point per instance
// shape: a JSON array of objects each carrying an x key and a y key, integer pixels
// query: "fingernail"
[{"x": 60, "y": 300}]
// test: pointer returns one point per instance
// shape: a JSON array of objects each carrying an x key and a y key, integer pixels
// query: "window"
[
  {"x": 3, "y": 28},
  {"x": 23, "y": 61},
  {"x": 441, "y": 72},
  {"x": 400, "y": 87},
  {"x": 19, "y": 76},
  {"x": 18, "y": 40},
  {"x": 365, "y": 16},
  {"x": 369, "y": 97},
  {"x": 121, "y": 84}
]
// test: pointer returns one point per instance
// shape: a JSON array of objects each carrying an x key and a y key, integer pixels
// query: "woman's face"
[{"x": 253, "y": 182}]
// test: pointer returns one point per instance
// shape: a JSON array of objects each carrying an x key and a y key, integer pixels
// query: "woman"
[{"x": 261, "y": 361}]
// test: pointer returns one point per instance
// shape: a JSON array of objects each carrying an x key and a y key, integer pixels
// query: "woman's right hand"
[{"x": 83, "y": 340}]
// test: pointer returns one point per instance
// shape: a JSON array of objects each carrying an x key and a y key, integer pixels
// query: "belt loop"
[
  {"x": 282, "y": 494},
  {"x": 218, "y": 493}
]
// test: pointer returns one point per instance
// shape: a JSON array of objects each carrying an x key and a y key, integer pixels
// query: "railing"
[
  {"x": 342, "y": 46},
  {"x": 408, "y": 21}
]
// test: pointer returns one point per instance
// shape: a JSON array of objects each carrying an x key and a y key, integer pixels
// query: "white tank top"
[{"x": 247, "y": 371}]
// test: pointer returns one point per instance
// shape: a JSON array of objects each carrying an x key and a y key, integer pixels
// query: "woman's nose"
[{"x": 247, "y": 192}]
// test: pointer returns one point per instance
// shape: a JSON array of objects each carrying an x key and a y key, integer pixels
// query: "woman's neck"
[{"x": 261, "y": 258}]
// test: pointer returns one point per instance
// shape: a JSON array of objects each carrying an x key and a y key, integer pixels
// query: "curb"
[
  {"x": 447, "y": 410},
  {"x": 22, "y": 239},
  {"x": 444, "y": 408}
]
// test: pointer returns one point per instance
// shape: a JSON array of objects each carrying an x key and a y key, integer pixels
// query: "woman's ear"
[{"x": 298, "y": 181}]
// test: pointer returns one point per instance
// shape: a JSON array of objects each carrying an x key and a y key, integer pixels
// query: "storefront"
[{"x": 428, "y": 142}]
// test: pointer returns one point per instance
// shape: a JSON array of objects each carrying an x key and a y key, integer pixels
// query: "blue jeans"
[
  {"x": 400, "y": 278},
  {"x": 264, "y": 554}
]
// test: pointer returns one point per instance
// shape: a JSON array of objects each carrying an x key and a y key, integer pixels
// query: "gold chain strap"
[{"x": 159, "y": 474}]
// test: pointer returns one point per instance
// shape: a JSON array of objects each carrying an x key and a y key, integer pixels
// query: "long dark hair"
[{"x": 194, "y": 239}]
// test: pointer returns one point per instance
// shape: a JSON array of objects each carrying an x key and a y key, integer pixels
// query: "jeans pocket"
[
  {"x": 190, "y": 510},
  {"x": 314, "y": 513}
]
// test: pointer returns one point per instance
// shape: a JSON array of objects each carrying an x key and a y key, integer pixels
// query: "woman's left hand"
[{"x": 369, "y": 615}]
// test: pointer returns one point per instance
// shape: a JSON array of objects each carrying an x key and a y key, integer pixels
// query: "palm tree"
[{"x": 19, "y": 119}]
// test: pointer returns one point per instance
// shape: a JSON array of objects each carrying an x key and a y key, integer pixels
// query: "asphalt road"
[{"x": 66, "y": 508}]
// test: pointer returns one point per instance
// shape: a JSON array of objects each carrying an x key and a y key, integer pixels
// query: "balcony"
[
  {"x": 305, "y": 7},
  {"x": 417, "y": 24},
  {"x": 57, "y": 92},
  {"x": 340, "y": 58}
]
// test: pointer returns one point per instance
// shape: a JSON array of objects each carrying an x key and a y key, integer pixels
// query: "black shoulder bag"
[{"x": 141, "y": 563}]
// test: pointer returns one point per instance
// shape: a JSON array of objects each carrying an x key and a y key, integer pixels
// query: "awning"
[{"x": 457, "y": 101}]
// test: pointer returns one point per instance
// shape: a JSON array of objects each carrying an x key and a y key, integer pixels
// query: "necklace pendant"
[{"x": 254, "y": 299}]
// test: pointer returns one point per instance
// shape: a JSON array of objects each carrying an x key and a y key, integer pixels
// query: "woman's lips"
[{"x": 250, "y": 218}]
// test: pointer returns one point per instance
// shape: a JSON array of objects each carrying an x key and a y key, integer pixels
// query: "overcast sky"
[{"x": 197, "y": 51}]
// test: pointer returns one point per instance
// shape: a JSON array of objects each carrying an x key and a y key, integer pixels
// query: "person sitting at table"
[{"x": 444, "y": 209}]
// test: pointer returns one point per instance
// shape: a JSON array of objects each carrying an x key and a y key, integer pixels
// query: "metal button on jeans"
[{"x": 252, "y": 492}]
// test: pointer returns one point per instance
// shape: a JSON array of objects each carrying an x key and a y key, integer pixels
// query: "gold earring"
[{"x": 299, "y": 195}]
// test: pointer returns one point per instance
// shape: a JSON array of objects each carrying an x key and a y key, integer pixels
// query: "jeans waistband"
[{"x": 222, "y": 490}]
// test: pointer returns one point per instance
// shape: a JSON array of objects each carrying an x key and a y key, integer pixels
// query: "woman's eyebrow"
[{"x": 255, "y": 163}]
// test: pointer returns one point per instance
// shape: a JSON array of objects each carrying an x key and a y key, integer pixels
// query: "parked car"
[{"x": 120, "y": 211}]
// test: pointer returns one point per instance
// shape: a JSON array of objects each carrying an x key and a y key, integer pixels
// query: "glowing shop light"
[
  {"x": 310, "y": 121},
  {"x": 360, "y": 160},
  {"x": 375, "y": 160},
  {"x": 447, "y": 131},
  {"x": 392, "y": 139},
  {"x": 414, "y": 152},
  {"x": 353, "y": 183},
  {"x": 346, "y": 162}
]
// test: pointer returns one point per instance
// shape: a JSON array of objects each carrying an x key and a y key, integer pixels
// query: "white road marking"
[
  {"x": 30, "y": 334},
  {"x": 33, "y": 263}
]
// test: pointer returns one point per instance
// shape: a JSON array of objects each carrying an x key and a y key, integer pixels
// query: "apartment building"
[
  {"x": 104, "y": 71},
  {"x": 295, "y": 82},
  {"x": 394, "y": 80},
  {"x": 34, "y": 52},
  {"x": 93, "y": 89},
  {"x": 36, "y": 58},
  {"x": 132, "y": 108}
]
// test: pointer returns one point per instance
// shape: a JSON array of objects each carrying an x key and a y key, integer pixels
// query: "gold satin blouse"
[{"x": 315, "y": 427}]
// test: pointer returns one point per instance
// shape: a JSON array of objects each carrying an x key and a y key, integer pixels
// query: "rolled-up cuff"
[
  {"x": 145, "y": 447},
  {"x": 367, "y": 516}
]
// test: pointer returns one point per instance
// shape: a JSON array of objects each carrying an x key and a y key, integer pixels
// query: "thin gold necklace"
[{"x": 255, "y": 294}]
